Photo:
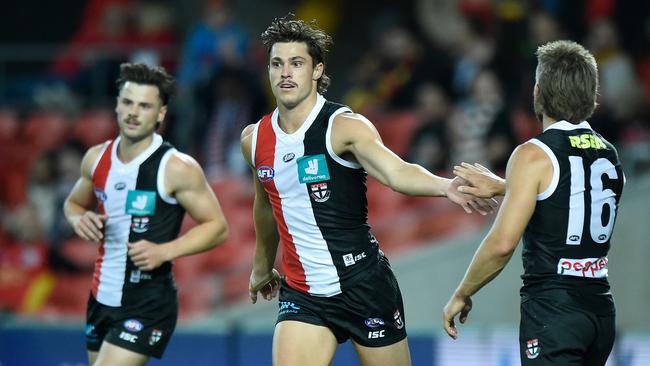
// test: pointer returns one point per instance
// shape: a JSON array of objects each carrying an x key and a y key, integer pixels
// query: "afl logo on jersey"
[
  {"x": 265, "y": 173},
  {"x": 120, "y": 186},
  {"x": 101, "y": 195}
]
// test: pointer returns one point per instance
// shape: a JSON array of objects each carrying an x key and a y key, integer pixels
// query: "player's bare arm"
[
  {"x": 264, "y": 278},
  {"x": 482, "y": 182},
  {"x": 186, "y": 182},
  {"x": 529, "y": 169},
  {"x": 80, "y": 204},
  {"x": 355, "y": 138}
]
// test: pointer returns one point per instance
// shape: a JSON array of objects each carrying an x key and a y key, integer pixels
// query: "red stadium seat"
[
  {"x": 95, "y": 127},
  {"x": 46, "y": 131}
]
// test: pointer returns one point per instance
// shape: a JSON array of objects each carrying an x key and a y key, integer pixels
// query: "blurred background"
[{"x": 444, "y": 81}]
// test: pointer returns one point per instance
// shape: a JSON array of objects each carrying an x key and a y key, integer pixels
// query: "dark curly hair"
[
  {"x": 289, "y": 29},
  {"x": 148, "y": 75}
]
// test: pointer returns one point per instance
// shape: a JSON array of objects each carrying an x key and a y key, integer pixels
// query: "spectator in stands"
[
  {"x": 479, "y": 127},
  {"x": 218, "y": 42},
  {"x": 429, "y": 144}
]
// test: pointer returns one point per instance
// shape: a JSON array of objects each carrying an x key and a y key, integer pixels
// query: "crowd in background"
[{"x": 444, "y": 82}]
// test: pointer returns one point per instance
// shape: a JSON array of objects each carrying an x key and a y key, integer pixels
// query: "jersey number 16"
[{"x": 600, "y": 197}]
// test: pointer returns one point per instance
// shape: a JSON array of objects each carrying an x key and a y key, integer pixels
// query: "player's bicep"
[
  {"x": 358, "y": 136},
  {"x": 523, "y": 176},
  {"x": 191, "y": 190},
  {"x": 82, "y": 194}
]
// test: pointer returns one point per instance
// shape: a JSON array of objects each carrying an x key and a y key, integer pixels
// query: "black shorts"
[
  {"x": 371, "y": 312},
  {"x": 145, "y": 328},
  {"x": 556, "y": 329}
]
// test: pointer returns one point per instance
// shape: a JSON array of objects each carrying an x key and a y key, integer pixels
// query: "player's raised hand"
[
  {"x": 90, "y": 226},
  {"x": 268, "y": 285},
  {"x": 482, "y": 182},
  {"x": 456, "y": 305}
]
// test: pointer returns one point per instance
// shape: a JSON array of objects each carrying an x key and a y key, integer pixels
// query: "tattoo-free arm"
[{"x": 526, "y": 170}]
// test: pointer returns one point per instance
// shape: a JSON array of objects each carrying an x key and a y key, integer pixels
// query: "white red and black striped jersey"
[
  {"x": 318, "y": 200},
  {"x": 134, "y": 198}
]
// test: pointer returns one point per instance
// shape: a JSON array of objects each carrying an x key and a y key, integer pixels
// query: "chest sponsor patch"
[
  {"x": 312, "y": 169},
  {"x": 141, "y": 203},
  {"x": 585, "y": 267}
]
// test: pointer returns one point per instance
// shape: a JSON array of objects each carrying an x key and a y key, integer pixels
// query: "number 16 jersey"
[{"x": 568, "y": 236}]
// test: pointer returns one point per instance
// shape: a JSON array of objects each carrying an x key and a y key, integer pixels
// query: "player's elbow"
[
  {"x": 504, "y": 248},
  {"x": 221, "y": 232}
]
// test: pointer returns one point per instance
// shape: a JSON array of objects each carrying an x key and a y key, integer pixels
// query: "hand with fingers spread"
[
  {"x": 457, "y": 305},
  {"x": 146, "y": 255},
  {"x": 90, "y": 226},
  {"x": 481, "y": 181},
  {"x": 469, "y": 202},
  {"x": 268, "y": 285}
]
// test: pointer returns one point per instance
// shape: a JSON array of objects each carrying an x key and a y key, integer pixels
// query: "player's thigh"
[
  {"x": 92, "y": 357},
  {"x": 552, "y": 333},
  {"x": 110, "y": 354},
  {"x": 302, "y": 344},
  {"x": 601, "y": 347},
  {"x": 396, "y": 354}
]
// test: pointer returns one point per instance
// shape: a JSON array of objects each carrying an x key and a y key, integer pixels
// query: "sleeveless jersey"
[
  {"x": 318, "y": 200},
  {"x": 568, "y": 237},
  {"x": 134, "y": 198}
]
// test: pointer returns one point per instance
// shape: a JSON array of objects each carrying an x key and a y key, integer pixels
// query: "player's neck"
[
  {"x": 547, "y": 122},
  {"x": 129, "y": 149},
  {"x": 290, "y": 119}
]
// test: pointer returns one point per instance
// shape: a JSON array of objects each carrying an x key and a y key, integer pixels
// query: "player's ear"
[{"x": 318, "y": 71}]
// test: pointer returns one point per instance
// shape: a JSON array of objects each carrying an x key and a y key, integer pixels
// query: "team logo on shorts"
[
  {"x": 140, "y": 224},
  {"x": 319, "y": 192},
  {"x": 288, "y": 307},
  {"x": 91, "y": 335},
  {"x": 399, "y": 324},
  {"x": 133, "y": 325},
  {"x": 265, "y": 173},
  {"x": 374, "y": 322},
  {"x": 533, "y": 348},
  {"x": 155, "y": 336}
]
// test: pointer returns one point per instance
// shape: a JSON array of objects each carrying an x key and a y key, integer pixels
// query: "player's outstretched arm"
[
  {"x": 264, "y": 278},
  {"x": 79, "y": 206},
  {"x": 353, "y": 133},
  {"x": 481, "y": 182},
  {"x": 185, "y": 181},
  {"x": 527, "y": 168}
]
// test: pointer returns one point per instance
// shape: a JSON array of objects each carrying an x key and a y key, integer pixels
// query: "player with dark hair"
[
  {"x": 131, "y": 199},
  {"x": 562, "y": 191},
  {"x": 310, "y": 158}
]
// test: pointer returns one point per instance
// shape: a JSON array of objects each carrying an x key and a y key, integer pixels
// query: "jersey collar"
[
  {"x": 320, "y": 102},
  {"x": 568, "y": 126}
]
